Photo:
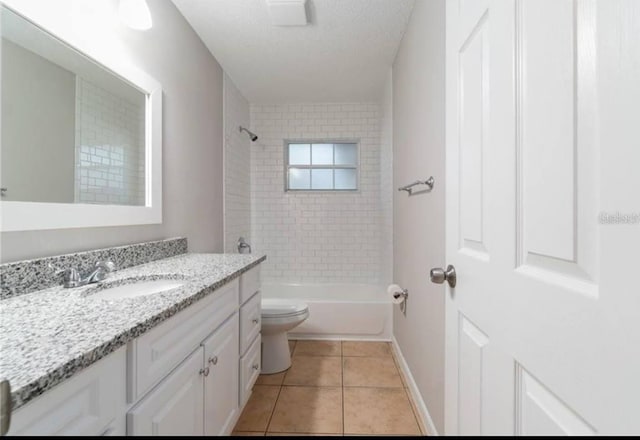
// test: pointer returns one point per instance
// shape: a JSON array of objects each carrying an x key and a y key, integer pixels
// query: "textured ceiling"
[{"x": 344, "y": 54}]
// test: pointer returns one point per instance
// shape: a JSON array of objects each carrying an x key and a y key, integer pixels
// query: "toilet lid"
[{"x": 282, "y": 307}]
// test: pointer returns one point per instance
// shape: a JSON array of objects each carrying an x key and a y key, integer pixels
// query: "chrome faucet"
[
  {"x": 243, "y": 246},
  {"x": 72, "y": 277}
]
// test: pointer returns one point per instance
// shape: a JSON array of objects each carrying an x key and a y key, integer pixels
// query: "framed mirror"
[{"x": 81, "y": 135}]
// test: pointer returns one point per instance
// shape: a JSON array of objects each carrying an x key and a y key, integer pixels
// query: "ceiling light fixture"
[
  {"x": 135, "y": 14},
  {"x": 287, "y": 12}
]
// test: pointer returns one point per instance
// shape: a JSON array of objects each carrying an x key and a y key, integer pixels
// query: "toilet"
[{"x": 278, "y": 317}]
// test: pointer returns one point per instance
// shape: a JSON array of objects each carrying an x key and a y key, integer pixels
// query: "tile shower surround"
[
  {"x": 321, "y": 237},
  {"x": 26, "y": 276}
]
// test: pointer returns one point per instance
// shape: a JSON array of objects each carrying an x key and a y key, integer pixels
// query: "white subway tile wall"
[
  {"x": 110, "y": 166},
  {"x": 237, "y": 168},
  {"x": 324, "y": 237}
]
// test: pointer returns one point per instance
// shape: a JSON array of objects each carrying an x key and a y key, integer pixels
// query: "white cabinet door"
[
  {"x": 88, "y": 404},
  {"x": 221, "y": 382},
  {"x": 543, "y": 333},
  {"x": 175, "y": 406}
]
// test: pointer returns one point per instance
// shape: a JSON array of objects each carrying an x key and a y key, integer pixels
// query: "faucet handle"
[
  {"x": 72, "y": 277},
  {"x": 108, "y": 266}
]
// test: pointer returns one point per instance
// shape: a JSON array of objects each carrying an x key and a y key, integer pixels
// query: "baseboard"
[{"x": 423, "y": 411}]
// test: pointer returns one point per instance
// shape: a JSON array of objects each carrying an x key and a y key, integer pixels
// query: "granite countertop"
[{"x": 49, "y": 335}]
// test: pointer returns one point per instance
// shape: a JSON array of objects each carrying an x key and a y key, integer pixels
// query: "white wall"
[
  {"x": 419, "y": 221},
  {"x": 237, "y": 168},
  {"x": 317, "y": 237},
  {"x": 191, "y": 78},
  {"x": 38, "y": 127}
]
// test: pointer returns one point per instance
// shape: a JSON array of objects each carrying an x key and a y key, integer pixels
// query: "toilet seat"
[{"x": 282, "y": 308}]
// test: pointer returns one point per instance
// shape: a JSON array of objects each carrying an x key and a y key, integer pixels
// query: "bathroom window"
[{"x": 321, "y": 166}]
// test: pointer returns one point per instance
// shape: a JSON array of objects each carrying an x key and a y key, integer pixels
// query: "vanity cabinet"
[
  {"x": 190, "y": 375},
  {"x": 200, "y": 396},
  {"x": 152, "y": 356}
]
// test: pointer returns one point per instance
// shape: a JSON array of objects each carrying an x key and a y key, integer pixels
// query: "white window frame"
[{"x": 288, "y": 166}]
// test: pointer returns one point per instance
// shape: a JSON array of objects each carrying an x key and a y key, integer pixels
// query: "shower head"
[{"x": 252, "y": 136}]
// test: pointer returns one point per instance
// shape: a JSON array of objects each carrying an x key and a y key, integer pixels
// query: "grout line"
[
  {"x": 375, "y": 387},
  {"x": 273, "y": 410},
  {"x": 304, "y": 432},
  {"x": 315, "y": 386}
]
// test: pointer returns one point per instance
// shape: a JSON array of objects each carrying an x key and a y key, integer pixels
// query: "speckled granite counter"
[{"x": 49, "y": 335}]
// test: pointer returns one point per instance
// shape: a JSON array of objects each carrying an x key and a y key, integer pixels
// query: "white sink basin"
[{"x": 136, "y": 288}]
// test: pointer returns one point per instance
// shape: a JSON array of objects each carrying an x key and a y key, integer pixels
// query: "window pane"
[
  {"x": 299, "y": 179},
  {"x": 346, "y": 179},
  {"x": 346, "y": 154},
  {"x": 322, "y": 154},
  {"x": 299, "y": 154},
  {"x": 321, "y": 179}
]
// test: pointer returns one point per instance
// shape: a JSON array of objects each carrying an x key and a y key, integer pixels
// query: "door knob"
[{"x": 439, "y": 275}]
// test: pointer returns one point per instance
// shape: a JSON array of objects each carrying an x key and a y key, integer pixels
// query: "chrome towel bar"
[{"x": 409, "y": 188}]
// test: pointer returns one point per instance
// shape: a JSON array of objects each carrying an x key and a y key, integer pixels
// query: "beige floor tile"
[
  {"x": 308, "y": 410},
  {"x": 363, "y": 348},
  {"x": 292, "y": 345},
  {"x": 301, "y": 434},
  {"x": 247, "y": 434},
  {"x": 370, "y": 372},
  {"x": 257, "y": 412},
  {"x": 318, "y": 348},
  {"x": 315, "y": 371},
  {"x": 271, "y": 379},
  {"x": 378, "y": 411}
]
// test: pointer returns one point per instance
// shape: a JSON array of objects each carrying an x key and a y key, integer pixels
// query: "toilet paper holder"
[{"x": 404, "y": 293}]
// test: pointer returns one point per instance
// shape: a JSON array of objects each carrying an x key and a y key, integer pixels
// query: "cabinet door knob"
[
  {"x": 256, "y": 366},
  {"x": 255, "y": 320},
  {"x": 213, "y": 360},
  {"x": 204, "y": 371}
]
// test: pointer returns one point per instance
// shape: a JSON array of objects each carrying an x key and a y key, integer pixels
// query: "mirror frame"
[{"x": 30, "y": 216}]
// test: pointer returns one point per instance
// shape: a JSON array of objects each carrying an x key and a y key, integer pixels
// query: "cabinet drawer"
[
  {"x": 154, "y": 354},
  {"x": 250, "y": 322},
  {"x": 249, "y": 283},
  {"x": 250, "y": 365},
  {"x": 86, "y": 404}
]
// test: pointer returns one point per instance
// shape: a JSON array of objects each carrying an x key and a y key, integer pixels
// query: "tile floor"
[{"x": 332, "y": 388}]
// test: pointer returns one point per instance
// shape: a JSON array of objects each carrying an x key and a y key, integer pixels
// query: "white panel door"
[
  {"x": 543, "y": 217},
  {"x": 175, "y": 406},
  {"x": 221, "y": 383}
]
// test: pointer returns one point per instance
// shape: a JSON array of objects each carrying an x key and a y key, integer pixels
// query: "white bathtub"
[{"x": 338, "y": 311}]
